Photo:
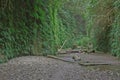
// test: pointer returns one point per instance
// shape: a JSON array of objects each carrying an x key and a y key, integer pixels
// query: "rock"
[{"x": 76, "y": 58}]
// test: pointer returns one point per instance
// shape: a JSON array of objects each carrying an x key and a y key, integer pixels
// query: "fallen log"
[
  {"x": 55, "y": 57},
  {"x": 92, "y": 64},
  {"x": 80, "y": 63}
]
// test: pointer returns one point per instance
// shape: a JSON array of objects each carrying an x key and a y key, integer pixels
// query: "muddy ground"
[{"x": 43, "y": 68}]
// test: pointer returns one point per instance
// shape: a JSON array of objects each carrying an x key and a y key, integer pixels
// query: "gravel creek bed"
[{"x": 43, "y": 68}]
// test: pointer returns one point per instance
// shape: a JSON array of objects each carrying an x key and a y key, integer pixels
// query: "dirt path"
[{"x": 42, "y": 68}]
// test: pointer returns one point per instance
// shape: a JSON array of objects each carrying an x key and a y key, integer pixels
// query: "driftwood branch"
[
  {"x": 62, "y": 46},
  {"x": 55, "y": 57}
]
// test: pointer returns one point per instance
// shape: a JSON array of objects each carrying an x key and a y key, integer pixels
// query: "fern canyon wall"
[{"x": 41, "y": 27}]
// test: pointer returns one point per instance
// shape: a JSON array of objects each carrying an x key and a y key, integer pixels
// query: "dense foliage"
[
  {"x": 103, "y": 24},
  {"x": 41, "y": 27},
  {"x": 33, "y": 27}
]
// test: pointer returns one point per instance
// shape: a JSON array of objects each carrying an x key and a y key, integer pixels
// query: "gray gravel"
[{"x": 42, "y": 68}]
